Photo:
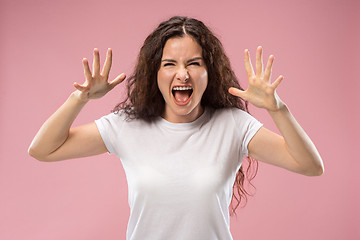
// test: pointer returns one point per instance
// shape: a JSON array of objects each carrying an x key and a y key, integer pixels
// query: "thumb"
[
  {"x": 117, "y": 80},
  {"x": 237, "y": 92},
  {"x": 79, "y": 87}
]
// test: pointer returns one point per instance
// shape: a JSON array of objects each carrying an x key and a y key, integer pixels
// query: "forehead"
[{"x": 182, "y": 47}]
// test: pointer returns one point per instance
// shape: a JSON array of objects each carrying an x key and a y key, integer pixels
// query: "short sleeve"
[
  {"x": 109, "y": 127},
  {"x": 247, "y": 126}
]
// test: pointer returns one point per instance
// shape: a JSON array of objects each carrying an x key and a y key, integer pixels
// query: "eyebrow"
[{"x": 190, "y": 60}]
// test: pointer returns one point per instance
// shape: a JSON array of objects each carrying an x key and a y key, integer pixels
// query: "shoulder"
[
  {"x": 113, "y": 121},
  {"x": 120, "y": 120},
  {"x": 233, "y": 113},
  {"x": 112, "y": 118},
  {"x": 236, "y": 118}
]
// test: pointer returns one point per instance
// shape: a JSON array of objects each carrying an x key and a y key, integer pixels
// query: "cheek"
[
  {"x": 162, "y": 82},
  {"x": 203, "y": 80}
]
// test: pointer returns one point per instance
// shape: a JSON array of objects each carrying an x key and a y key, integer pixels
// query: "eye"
[
  {"x": 169, "y": 64},
  {"x": 195, "y": 63}
]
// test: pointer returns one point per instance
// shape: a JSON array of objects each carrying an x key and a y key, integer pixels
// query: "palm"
[
  {"x": 96, "y": 84},
  {"x": 261, "y": 93}
]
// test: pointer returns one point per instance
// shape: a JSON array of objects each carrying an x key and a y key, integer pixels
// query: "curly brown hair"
[{"x": 144, "y": 99}]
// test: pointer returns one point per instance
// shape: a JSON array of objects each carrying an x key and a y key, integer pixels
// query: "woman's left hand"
[{"x": 261, "y": 92}]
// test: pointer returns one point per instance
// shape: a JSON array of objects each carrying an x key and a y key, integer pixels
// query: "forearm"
[
  {"x": 54, "y": 132},
  {"x": 298, "y": 143}
]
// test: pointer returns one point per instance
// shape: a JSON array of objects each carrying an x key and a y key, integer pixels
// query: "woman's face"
[{"x": 182, "y": 79}]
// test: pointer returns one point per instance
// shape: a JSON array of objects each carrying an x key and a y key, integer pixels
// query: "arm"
[
  {"x": 293, "y": 150},
  {"x": 55, "y": 140}
]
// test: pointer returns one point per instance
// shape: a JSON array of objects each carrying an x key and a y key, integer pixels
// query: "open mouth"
[{"x": 182, "y": 94}]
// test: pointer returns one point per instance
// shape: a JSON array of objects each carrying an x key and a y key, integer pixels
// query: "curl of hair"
[{"x": 144, "y": 99}]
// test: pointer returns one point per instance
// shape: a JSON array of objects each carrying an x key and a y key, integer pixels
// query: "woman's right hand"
[{"x": 96, "y": 84}]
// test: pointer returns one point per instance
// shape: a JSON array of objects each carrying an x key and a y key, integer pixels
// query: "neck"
[{"x": 169, "y": 116}]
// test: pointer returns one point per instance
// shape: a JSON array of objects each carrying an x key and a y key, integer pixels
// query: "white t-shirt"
[{"x": 180, "y": 175}]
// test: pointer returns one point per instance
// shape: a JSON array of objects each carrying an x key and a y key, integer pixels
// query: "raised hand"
[
  {"x": 96, "y": 84},
  {"x": 261, "y": 92}
]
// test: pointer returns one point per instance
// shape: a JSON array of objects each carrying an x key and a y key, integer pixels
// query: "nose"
[{"x": 183, "y": 75}]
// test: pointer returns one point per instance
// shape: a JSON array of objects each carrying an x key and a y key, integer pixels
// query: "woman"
[{"x": 182, "y": 132}]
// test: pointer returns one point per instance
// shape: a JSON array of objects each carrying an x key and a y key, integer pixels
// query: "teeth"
[{"x": 182, "y": 88}]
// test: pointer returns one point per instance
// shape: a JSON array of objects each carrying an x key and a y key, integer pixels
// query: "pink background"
[{"x": 316, "y": 45}]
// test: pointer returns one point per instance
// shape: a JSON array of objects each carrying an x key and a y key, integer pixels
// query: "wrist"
[
  {"x": 282, "y": 108},
  {"x": 78, "y": 96}
]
